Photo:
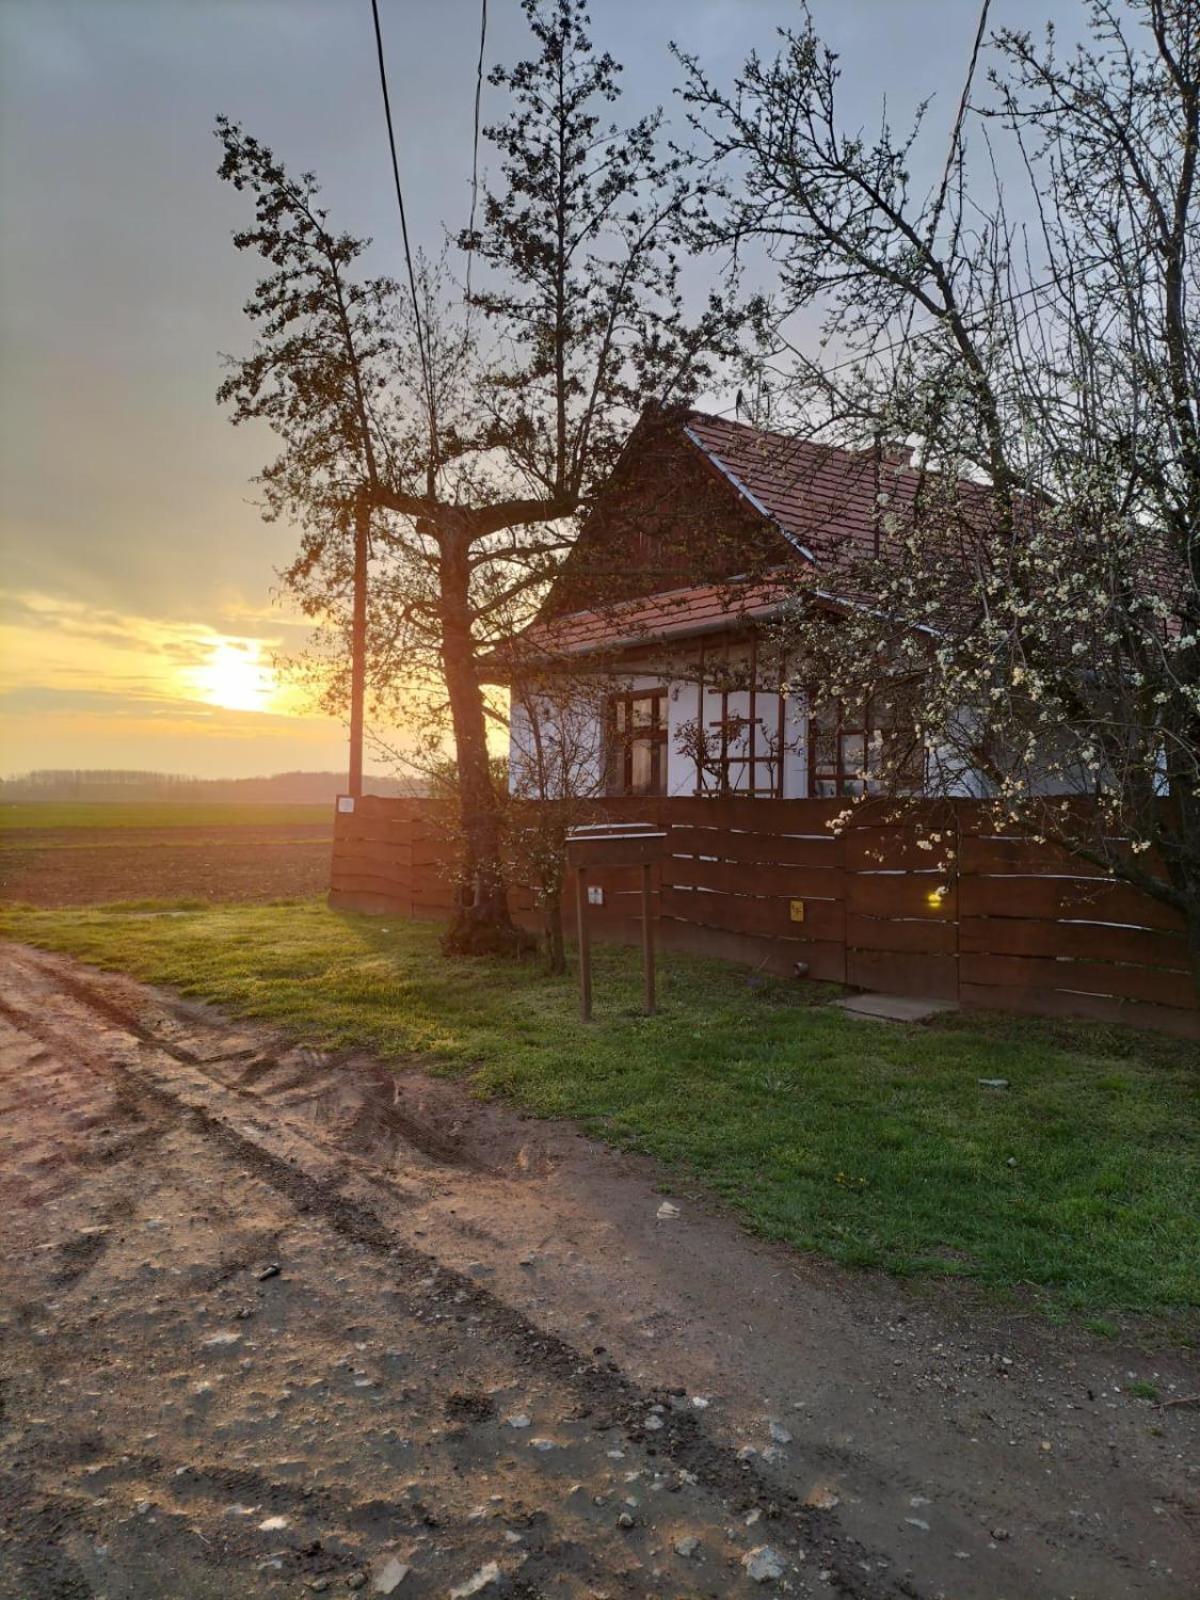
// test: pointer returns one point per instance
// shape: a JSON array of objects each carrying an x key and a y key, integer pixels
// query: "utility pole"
[{"x": 358, "y": 645}]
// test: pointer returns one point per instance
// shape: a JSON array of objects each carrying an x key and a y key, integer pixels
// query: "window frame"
[
  {"x": 620, "y": 742},
  {"x": 853, "y": 782}
]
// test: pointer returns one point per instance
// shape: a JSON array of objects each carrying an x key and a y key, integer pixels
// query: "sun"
[{"x": 235, "y": 677}]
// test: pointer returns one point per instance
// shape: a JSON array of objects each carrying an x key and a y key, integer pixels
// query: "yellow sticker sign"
[{"x": 797, "y": 910}]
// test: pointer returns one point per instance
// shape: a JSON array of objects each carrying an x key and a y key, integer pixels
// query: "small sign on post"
[{"x": 623, "y": 844}]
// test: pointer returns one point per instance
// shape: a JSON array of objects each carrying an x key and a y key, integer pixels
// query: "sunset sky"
[{"x": 137, "y": 621}]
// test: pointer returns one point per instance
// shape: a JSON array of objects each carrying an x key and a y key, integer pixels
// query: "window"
[
  {"x": 837, "y": 756},
  {"x": 637, "y": 743},
  {"x": 743, "y": 755},
  {"x": 863, "y": 752}
]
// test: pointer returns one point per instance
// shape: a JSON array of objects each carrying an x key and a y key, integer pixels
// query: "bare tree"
[
  {"x": 1034, "y": 603},
  {"x": 477, "y": 434}
]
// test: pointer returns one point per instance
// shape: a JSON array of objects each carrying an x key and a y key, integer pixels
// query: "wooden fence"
[{"x": 940, "y": 906}]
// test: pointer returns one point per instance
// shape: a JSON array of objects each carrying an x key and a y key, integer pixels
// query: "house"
[{"x": 652, "y": 668}]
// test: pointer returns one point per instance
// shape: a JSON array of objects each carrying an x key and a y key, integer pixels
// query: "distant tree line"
[{"x": 294, "y": 788}]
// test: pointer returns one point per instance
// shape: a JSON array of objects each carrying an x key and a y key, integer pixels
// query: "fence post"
[
  {"x": 585, "y": 949},
  {"x": 958, "y": 910},
  {"x": 647, "y": 939}
]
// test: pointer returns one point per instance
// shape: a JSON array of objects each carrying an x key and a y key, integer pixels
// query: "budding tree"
[
  {"x": 1035, "y": 599},
  {"x": 478, "y": 434}
]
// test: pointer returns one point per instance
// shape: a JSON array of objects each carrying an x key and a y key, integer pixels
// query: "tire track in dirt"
[
  {"x": 612, "y": 1400},
  {"x": 901, "y": 1400}
]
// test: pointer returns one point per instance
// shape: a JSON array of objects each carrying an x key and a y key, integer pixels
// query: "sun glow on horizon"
[
  {"x": 82, "y": 685},
  {"x": 235, "y": 677}
]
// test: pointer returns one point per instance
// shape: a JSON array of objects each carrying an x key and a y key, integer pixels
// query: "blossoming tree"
[{"x": 1031, "y": 607}]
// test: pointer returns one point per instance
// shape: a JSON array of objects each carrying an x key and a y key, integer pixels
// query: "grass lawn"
[
  {"x": 873, "y": 1144},
  {"x": 155, "y": 814}
]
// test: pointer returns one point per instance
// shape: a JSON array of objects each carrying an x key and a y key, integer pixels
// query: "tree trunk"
[
  {"x": 1183, "y": 870},
  {"x": 358, "y": 647},
  {"x": 556, "y": 949},
  {"x": 482, "y": 924}
]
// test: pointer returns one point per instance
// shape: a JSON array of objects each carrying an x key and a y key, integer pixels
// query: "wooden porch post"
[
  {"x": 752, "y": 786},
  {"x": 782, "y": 722}
]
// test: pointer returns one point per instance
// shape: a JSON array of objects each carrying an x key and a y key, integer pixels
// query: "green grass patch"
[
  {"x": 873, "y": 1144},
  {"x": 155, "y": 814}
]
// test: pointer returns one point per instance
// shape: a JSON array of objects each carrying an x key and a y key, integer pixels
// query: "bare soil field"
[
  {"x": 68, "y": 866},
  {"x": 275, "y": 1322}
]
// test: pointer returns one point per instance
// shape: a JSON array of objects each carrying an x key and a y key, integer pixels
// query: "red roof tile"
[
  {"x": 827, "y": 501},
  {"x": 831, "y": 505},
  {"x": 676, "y": 612}
]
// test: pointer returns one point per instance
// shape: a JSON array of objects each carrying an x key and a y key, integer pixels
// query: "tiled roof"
[
  {"x": 831, "y": 505},
  {"x": 674, "y": 613},
  {"x": 825, "y": 500}
]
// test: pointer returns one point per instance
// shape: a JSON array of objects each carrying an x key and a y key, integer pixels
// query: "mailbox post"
[{"x": 625, "y": 844}]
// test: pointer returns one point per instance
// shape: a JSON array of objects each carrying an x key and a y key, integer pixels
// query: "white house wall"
[
  {"x": 582, "y": 727},
  {"x": 577, "y": 728},
  {"x": 585, "y": 734}
]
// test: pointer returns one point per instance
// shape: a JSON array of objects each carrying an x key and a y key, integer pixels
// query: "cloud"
[
  {"x": 43, "y": 701},
  {"x": 71, "y": 674}
]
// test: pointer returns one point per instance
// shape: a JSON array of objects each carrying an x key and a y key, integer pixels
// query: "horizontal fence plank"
[
  {"x": 1056, "y": 1003},
  {"x": 990, "y": 818},
  {"x": 760, "y": 815},
  {"x": 613, "y": 880},
  {"x": 931, "y": 935},
  {"x": 902, "y": 894},
  {"x": 746, "y": 877},
  {"x": 616, "y": 908},
  {"x": 382, "y": 835},
  {"x": 768, "y": 849},
  {"x": 386, "y": 855},
  {"x": 394, "y": 882},
  {"x": 981, "y": 853},
  {"x": 1092, "y": 977},
  {"x": 903, "y": 972},
  {"x": 615, "y": 850},
  {"x": 869, "y": 849},
  {"x": 1084, "y": 941},
  {"x": 767, "y": 915},
  {"x": 1071, "y": 899},
  {"x": 825, "y": 960},
  {"x": 369, "y": 901}
]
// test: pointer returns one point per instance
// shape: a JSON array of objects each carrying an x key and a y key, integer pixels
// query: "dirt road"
[{"x": 273, "y": 1323}]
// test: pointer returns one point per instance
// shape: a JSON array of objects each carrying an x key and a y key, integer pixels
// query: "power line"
[
  {"x": 475, "y": 148},
  {"x": 955, "y": 149},
  {"x": 956, "y": 135},
  {"x": 412, "y": 277},
  {"x": 921, "y": 333}
]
